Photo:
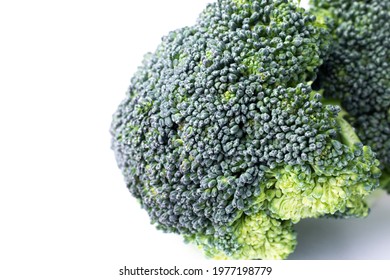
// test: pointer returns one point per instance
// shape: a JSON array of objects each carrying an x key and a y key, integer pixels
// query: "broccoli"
[
  {"x": 222, "y": 140},
  {"x": 357, "y": 69}
]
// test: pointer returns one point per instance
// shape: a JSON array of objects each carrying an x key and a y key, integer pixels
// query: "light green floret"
[
  {"x": 335, "y": 183},
  {"x": 299, "y": 193},
  {"x": 251, "y": 237},
  {"x": 264, "y": 237}
]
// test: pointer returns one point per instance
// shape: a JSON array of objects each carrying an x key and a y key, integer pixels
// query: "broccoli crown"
[
  {"x": 222, "y": 140},
  {"x": 357, "y": 69}
]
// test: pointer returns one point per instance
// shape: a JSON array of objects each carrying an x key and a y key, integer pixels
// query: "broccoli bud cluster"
[
  {"x": 221, "y": 138},
  {"x": 357, "y": 69}
]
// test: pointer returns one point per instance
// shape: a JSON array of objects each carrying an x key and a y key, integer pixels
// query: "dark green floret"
[
  {"x": 222, "y": 140},
  {"x": 357, "y": 69}
]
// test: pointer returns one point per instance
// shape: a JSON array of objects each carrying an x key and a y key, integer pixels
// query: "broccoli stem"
[{"x": 348, "y": 134}]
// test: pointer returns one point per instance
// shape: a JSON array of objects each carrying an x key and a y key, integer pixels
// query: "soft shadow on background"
[{"x": 346, "y": 239}]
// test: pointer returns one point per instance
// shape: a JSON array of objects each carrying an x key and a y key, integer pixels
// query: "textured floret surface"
[
  {"x": 357, "y": 71},
  {"x": 222, "y": 140}
]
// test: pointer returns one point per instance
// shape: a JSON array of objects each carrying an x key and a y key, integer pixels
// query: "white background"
[{"x": 64, "y": 207}]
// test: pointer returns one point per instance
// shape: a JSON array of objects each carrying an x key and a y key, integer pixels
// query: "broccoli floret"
[
  {"x": 250, "y": 237},
  {"x": 222, "y": 140},
  {"x": 357, "y": 69}
]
